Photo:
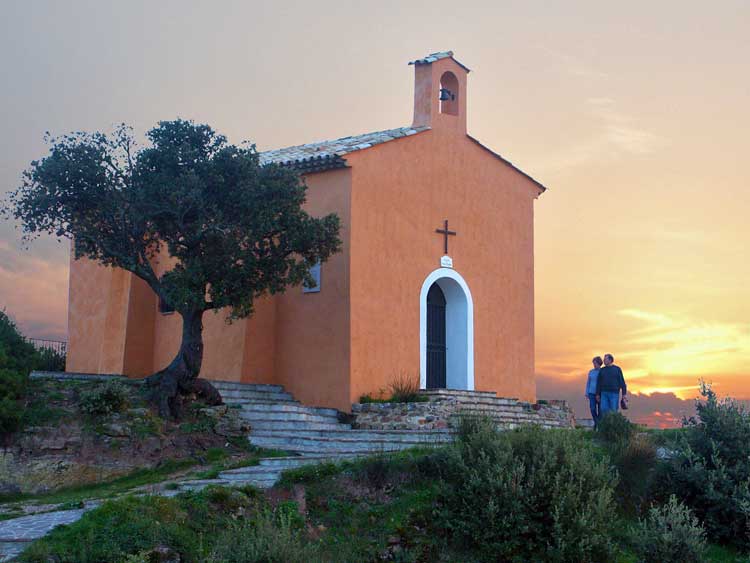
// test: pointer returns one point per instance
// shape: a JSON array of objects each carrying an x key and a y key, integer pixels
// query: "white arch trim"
[{"x": 459, "y": 329}]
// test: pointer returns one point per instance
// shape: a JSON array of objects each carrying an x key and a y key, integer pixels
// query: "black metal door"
[{"x": 435, "y": 338}]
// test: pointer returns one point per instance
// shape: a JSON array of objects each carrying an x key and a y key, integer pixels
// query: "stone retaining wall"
[{"x": 443, "y": 409}]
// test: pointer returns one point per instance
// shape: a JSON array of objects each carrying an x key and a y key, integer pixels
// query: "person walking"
[
  {"x": 591, "y": 389},
  {"x": 609, "y": 383}
]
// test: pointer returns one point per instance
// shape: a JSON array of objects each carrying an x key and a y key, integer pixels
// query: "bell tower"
[{"x": 440, "y": 92}]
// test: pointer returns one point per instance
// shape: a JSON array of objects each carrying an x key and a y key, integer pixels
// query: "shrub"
[
  {"x": 12, "y": 395},
  {"x": 670, "y": 534},
  {"x": 405, "y": 389},
  {"x": 709, "y": 470},
  {"x": 16, "y": 353},
  {"x": 10, "y": 418},
  {"x": 187, "y": 524},
  {"x": 615, "y": 428},
  {"x": 50, "y": 360},
  {"x": 636, "y": 464},
  {"x": 268, "y": 538},
  {"x": 104, "y": 399},
  {"x": 526, "y": 495}
]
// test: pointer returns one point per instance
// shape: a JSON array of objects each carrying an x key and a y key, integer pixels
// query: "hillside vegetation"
[{"x": 515, "y": 496}]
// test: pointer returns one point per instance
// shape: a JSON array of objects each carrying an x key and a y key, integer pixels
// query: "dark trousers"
[{"x": 594, "y": 407}]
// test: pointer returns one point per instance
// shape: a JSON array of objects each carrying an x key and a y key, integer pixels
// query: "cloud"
[
  {"x": 34, "y": 292},
  {"x": 613, "y": 135},
  {"x": 677, "y": 350},
  {"x": 573, "y": 66},
  {"x": 658, "y": 409}
]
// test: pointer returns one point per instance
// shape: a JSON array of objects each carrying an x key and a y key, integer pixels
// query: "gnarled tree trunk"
[{"x": 180, "y": 377}]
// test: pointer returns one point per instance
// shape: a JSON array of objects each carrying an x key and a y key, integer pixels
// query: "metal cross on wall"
[{"x": 445, "y": 232}]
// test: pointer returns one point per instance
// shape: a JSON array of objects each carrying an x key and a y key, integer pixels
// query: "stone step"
[
  {"x": 342, "y": 444},
  {"x": 458, "y": 393},
  {"x": 272, "y": 407},
  {"x": 265, "y": 416},
  {"x": 318, "y": 450},
  {"x": 282, "y": 463},
  {"x": 347, "y": 434},
  {"x": 261, "y": 387},
  {"x": 235, "y": 395},
  {"x": 498, "y": 414},
  {"x": 297, "y": 425}
]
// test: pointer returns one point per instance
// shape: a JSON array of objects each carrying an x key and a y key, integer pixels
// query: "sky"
[{"x": 635, "y": 115}]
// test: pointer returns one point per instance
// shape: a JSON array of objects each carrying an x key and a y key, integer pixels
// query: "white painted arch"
[{"x": 459, "y": 327}]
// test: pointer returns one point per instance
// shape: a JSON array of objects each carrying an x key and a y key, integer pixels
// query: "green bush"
[
  {"x": 103, "y": 399},
  {"x": 670, "y": 534},
  {"x": 636, "y": 464},
  {"x": 16, "y": 353},
  {"x": 13, "y": 386},
  {"x": 50, "y": 360},
  {"x": 615, "y": 428},
  {"x": 710, "y": 471},
  {"x": 271, "y": 537},
  {"x": 10, "y": 419},
  {"x": 526, "y": 495}
]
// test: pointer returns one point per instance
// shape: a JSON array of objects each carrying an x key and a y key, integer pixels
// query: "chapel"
[{"x": 435, "y": 280}]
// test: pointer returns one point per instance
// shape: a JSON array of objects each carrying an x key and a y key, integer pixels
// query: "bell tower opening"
[{"x": 448, "y": 93}]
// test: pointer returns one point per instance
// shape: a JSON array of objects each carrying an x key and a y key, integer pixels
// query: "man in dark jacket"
[{"x": 608, "y": 386}]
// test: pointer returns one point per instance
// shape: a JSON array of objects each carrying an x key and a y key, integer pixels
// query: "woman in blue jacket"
[{"x": 591, "y": 389}]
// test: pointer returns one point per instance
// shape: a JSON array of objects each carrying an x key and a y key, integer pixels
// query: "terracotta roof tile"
[
  {"x": 332, "y": 151},
  {"x": 432, "y": 57}
]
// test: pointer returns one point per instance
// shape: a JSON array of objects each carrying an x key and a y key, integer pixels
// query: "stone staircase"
[
  {"x": 310, "y": 434},
  {"x": 506, "y": 412}
]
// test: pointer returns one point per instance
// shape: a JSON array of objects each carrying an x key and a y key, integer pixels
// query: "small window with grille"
[{"x": 315, "y": 273}]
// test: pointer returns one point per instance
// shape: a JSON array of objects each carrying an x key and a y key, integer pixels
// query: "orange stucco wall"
[
  {"x": 312, "y": 329},
  {"x": 362, "y": 330},
  {"x": 401, "y": 193}
]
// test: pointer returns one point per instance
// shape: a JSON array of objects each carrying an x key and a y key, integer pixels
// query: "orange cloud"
[{"x": 35, "y": 293}]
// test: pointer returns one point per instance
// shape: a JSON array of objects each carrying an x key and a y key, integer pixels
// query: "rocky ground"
[{"x": 61, "y": 446}]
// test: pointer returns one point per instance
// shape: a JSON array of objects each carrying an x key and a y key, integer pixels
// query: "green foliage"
[
  {"x": 106, "y": 489},
  {"x": 526, "y": 495},
  {"x": 309, "y": 473},
  {"x": 50, "y": 360},
  {"x": 636, "y": 465},
  {"x": 710, "y": 470},
  {"x": 670, "y": 534},
  {"x": 104, "y": 399},
  {"x": 17, "y": 359},
  {"x": 10, "y": 417},
  {"x": 16, "y": 353},
  {"x": 216, "y": 525},
  {"x": 615, "y": 428},
  {"x": 270, "y": 537},
  {"x": 405, "y": 389}
]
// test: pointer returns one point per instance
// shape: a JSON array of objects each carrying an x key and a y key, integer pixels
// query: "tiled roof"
[
  {"x": 324, "y": 155},
  {"x": 432, "y": 57}
]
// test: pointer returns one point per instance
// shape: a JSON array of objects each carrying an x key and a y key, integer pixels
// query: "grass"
[
  {"x": 218, "y": 458},
  {"x": 137, "y": 478}
]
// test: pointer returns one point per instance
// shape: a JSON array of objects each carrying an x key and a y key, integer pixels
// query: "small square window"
[{"x": 315, "y": 273}]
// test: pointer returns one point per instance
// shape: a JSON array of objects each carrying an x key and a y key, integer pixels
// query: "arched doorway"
[
  {"x": 436, "y": 348},
  {"x": 446, "y": 332}
]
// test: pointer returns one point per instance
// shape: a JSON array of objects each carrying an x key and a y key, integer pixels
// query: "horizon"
[{"x": 637, "y": 254}]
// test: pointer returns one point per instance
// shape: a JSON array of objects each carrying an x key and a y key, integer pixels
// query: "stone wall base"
[{"x": 444, "y": 408}]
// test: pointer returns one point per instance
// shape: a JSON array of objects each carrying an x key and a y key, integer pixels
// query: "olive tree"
[{"x": 232, "y": 228}]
